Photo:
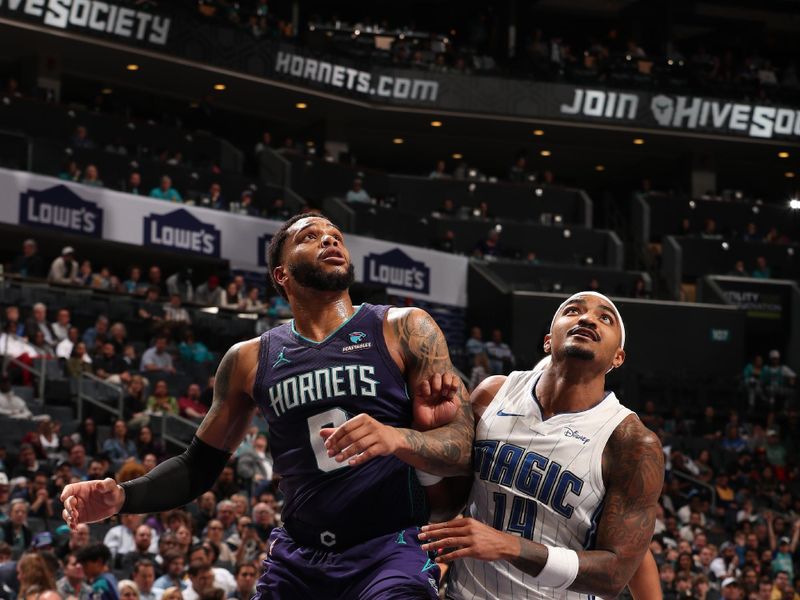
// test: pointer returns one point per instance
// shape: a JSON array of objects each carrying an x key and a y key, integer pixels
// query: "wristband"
[
  {"x": 560, "y": 570},
  {"x": 426, "y": 479}
]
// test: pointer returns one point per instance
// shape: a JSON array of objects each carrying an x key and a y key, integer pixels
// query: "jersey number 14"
[{"x": 522, "y": 517}]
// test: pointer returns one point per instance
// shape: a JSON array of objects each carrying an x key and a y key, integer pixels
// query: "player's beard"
[
  {"x": 579, "y": 353},
  {"x": 309, "y": 275}
]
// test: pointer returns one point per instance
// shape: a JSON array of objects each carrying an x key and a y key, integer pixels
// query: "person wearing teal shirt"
[{"x": 165, "y": 191}]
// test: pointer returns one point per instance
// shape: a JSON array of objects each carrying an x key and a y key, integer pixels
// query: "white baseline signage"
[{"x": 65, "y": 207}]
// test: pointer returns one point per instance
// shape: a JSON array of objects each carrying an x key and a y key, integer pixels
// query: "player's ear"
[
  {"x": 281, "y": 274},
  {"x": 547, "y": 341},
  {"x": 619, "y": 358}
]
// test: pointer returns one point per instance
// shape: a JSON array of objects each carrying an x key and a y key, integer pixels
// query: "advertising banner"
[{"x": 49, "y": 203}]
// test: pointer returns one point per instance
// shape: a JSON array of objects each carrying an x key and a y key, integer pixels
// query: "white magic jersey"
[{"x": 538, "y": 479}]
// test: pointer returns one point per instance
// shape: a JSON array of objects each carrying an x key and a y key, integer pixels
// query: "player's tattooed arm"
[
  {"x": 445, "y": 450},
  {"x": 633, "y": 469},
  {"x": 228, "y": 419}
]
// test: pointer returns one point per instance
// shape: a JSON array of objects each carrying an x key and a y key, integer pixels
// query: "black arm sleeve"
[{"x": 176, "y": 481}]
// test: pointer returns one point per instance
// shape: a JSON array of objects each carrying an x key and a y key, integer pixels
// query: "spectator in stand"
[
  {"x": 739, "y": 270},
  {"x": 160, "y": 402},
  {"x": 357, "y": 194},
  {"x": 144, "y": 576},
  {"x": 91, "y": 176},
  {"x": 94, "y": 559},
  {"x": 518, "y": 173},
  {"x": 278, "y": 210},
  {"x": 134, "y": 184},
  {"x": 246, "y": 206},
  {"x": 165, "y": 191},
  {"x": 246, "y": 577},
  {"x": 751, "y": 233},
  {"x": 121, "y": 539},
  {"x": 777, "y": 379},
  {"x": 175, "y": 314},
  {"x": 73, "y": 583},
  {"x": 119, "y": 448},
  {"x": 128, "y": 590},
  {"x": 11, "y": 405},
  {"x": 15, "y": 531},
  {"x": 79, "y": 462},
  {"x": 64, "y": 269},
  {"x": 80, "y": 139},
  {"x": 151, "y": 310},
  {"x": 190, "y": 405},
  {"x": 710, "y": 231},
  {"x": 475, "y": 344},
  {"x": 180, "y": 283},
  {"x": 99, "y": 330},
  {"x": 87, "y": 436},
  {"x": 752, "y": 380},
  {"x": 439, "y": 171},
  {"x": 230, "y": 298},
  {"x": 253, "y": 303},
  {"x": 29, "y": 263},
  {"x": 71, "y": 172},
  {"x": 61, "y": 325},
  {"x": 79, "y": 360},
  {"x": 110, "y": 367},
  {"x": 480, "y": 370},
  {"x": 762, "y": 270},
  {"x": 86, "y": 274},
  {"x": 35, "y": 576},
  {"x": 209, "y": 293},
  {"x": 156, "y": 358},
  {"x": 279, "y": 308},
  {"x": 172, "y": 565},
  {"x": 490, "y": 246},
  {"x": 12, "y": 322},
  {"x": 147, "y": 444},
  {"x": 201, "y": 579},
  {"x": 640, "y": 289},
  {"x": 134, "y": 284},
  {"x": 214, "y": 198},
  {"x": 144, "y": 543},
  {"x": 155, "y": 280},
  {"x": 193, "y": 351},
  {"x": 501, "y": 359},
  {"x": 118, "y": 337},
  {"x": 27, "y": 462},
  {"x": 264, "y": 144},
  {"x": 38, "y": 322}
]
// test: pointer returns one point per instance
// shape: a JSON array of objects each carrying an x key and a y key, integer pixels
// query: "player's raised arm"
[
  {"x": 417, "y": 343},
  {"x": 181, "y": 478}
]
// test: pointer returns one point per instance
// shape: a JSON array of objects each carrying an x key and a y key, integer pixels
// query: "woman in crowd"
[
  {"x": 118, "y": 447},
  {"x": 79, "y": 361},
  {"x": 160, "y": 402},
  {"x": 147, "y": 444},
  {"x": 34, "y": 575}
]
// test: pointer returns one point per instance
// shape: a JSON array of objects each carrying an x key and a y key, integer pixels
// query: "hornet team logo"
[{"x": 357, "y": 339}]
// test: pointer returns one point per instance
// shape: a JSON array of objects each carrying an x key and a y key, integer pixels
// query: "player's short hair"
[{"x": 276, "y": 248}]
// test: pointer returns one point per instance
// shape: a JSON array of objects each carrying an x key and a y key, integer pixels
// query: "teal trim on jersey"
[
  {"x": 400, "y": 537},
  {"x": 429, "y": 564},
  {"x": 331, "y": 334}
]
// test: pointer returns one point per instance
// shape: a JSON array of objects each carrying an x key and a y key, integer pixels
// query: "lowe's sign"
[
  {"x": 395, "y": 269},
  {"x": 181, "y": 230},
  {"x": 61, "y": 209}
]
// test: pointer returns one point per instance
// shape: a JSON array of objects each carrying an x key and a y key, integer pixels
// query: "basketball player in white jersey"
[{"x": 566, "y": 481}]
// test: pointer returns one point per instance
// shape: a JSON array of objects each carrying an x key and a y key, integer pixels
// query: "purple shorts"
[{"x": 390, "y": 567}]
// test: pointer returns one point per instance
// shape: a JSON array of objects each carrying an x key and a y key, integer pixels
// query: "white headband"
[{"x": 604, "y": 299}]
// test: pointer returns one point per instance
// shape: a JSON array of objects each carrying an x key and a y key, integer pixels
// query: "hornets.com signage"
[
  {"x": 354, "y": 80},
  {"x": 61, "y": 209},
  {"x": 395, "y": 269},
  {"x": 181, "y": 230},
  {"x": 92, "y": 15},
  {"x": 683, "y": 112}
]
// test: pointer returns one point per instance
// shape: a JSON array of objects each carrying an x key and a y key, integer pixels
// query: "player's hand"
[
  {"x": 91, "y": 501},
  {"x": 360, "y": 439},
  {"x": 467, "y": 537},
  {"x": 435, "y": 401}
]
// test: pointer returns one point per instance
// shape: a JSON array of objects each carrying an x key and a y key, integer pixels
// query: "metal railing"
[
  {"x": 38, "y": 373},
  {"x": 115, "y": 390},
  {"x": 697, "y": 482}
]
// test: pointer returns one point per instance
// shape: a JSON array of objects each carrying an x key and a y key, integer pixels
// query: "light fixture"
[
  {"x": 545, "y": 153},
  {"x": 794, "y": 204},
  {"x": 638, "y": 141},
  {"x": 398, "y": 140},
  {"x": 599, "y": 168},
  {"x": 783, "y": 154},
  {"x": 436, "y": 123},
  {"x": 726, "y": 246},
  {"x": 457, "y": 156},
  {"x": 538, "y": 132},
  {"x": 220, "y": 87},
  {"x": 789, "y": 174},
  {"x": 301, "y": 105},
  {"x": 106, "y": 91},
  {"x": 132, "y": 67}
]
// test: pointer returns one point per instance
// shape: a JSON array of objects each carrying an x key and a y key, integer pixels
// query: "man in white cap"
[
  {"x": 64, "y": 269},
  {"x": 567, "y": 480}
]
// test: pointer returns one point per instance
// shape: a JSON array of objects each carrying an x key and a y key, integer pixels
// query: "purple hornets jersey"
[{"x": 302, "y": 386}]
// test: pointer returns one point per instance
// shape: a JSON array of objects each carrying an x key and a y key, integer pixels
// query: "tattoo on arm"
[
  {"x": 228, "y": 416},
  {"x": 446, "y": 450},
  {"x": 634, "y": 473}
]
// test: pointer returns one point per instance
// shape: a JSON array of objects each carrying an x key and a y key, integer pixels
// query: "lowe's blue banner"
[{"x": 45, "y": 202}]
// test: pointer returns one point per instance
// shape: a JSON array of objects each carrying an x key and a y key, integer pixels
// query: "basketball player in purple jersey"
[{"x": 332, "y": 385}]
